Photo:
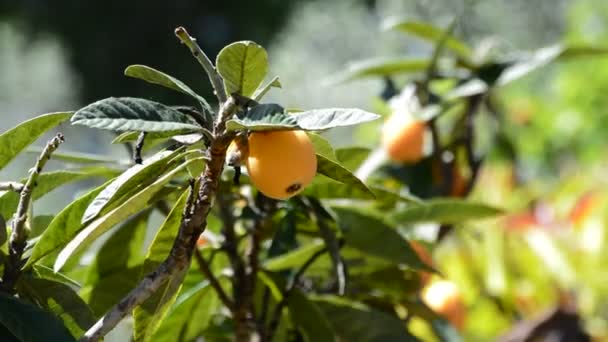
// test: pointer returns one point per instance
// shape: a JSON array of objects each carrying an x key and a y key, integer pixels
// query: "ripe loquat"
[
  {"x": 403, "y": 138},
  {"x": 281, "y": 163}
]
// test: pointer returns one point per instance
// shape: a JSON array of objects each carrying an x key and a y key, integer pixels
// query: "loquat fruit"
[{"x": 281, "y": 163}]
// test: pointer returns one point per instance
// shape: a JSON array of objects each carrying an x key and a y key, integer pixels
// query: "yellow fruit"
[
  {"x": 281, "y": 163},
  {"x": 403, "y": 138},
  {"x": 444, "y": 298}
]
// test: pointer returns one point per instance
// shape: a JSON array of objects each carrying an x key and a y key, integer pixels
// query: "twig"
[
  {"x": 139, "y": 145},
  {"x": 276, "y": 316},
  {"x": 11, "y": 186},
  {"x": 216, "y": 80},
  {"x": 206, "y": 270},
  {"x": 193, "y": 224},
  {"x": 19, "y": 234}
]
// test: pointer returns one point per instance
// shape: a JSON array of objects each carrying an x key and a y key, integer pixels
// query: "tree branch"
[
  {"x": 193, "y": 224},
  {"x": 20, "y": 232},
  {"x": 216, "y": 80},
  {"x": 139, "y": 145},
  {"x": 11, "y": 186},
  {"x": 206, "y": 270},
  {"x": 276, "y": 316}
]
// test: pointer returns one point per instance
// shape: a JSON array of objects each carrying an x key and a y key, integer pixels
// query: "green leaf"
[
  {"x": 378, "y": 67},
  {"x": 29, "y": 323},
  {"x": 61, "y": 300},
  {"x": 529, "y": 63},
  {"x": 48, "y": 182},
  {"x": 122, "y": 250},
  {"x": 243, "y": 66},
  {"x": 577, "y": 51},
  {"x": 309, "y": 319},
  {"x": 102, "y": 224},
  {"x": 16, "y": 139},
  {"x": 149, "y": 315},
  {"x": 39, "y": 224},
  {"x": 274, "y": 117},
  {"x": 352, "y": 321},
  {"x": 133, "y": 136},
  {"x": 295, "y": 258},
  {"x": 259, "y": 94},
  {"x": 109, "y": 290},
  {"x": 428, "y": 32},
  {"x": 352, "y": 157},
  {"x": 44, "y": 272},
  {"x": 444, "y": 211},
  {"x": 80, "y": 157},
  {"x": 371, "y": 235},
  {"x": 337, "y": 172},
  {"x": 133, "y": 114},
  {"x": 321, "y": 119},
  {"x": 63, "y": 227},
  {"x": 136, "y": 177},
  {"x": 192, "y": 312},
  {"x": 323, "y": 147},
  {"x": 266, "y": 116},
  {"x": 154, "y": 76}
]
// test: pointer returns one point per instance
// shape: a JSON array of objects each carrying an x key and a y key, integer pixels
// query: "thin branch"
[
  {"x": 216, "y": 80},
  {"x": 11, "y": 186},
  {"x": 19, "y": 234},
  {"x": 193, "y": 224},
  {"x": 206, "y": 270},
  {"x": 139, "y": 145},
  {"x": 276, "y": 316}
]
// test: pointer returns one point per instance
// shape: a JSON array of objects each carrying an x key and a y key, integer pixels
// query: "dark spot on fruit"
[{"x": 293, "y": 188}]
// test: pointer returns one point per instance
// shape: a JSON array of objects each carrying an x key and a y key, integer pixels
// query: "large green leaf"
[
  {"x": 337, "y": 172},
  {"x": 323, "y": 147},
  {"x": 102, "y": 224},
  {"x": 444, "y": 211},
  {"x": 154, "y": 76},
  {"x": 428, "y": 32},
  {"x": 61, "y": 300},
  {"x": 271, "y": 116},
  {"x": 81, "y": 158},
  {"x": 48, "y": 182},
  {"x": 191, "y": 313},
  {"x": 122, "y": 250},
  {"x": 309, "y": 319},
  {"x": 378, "y": 67},
  {"x": 63, "y": 227},
  {"x": 30, "y": 323},
  {"x": 352, "y": 321},
  {"x": 295, "y": 258},
  {"x": 133, "y": 114},
  {"x": 149, "y": 315},
  {"x": 371, "y": 235},
  {"x": 352, "y": 157},
  {"x": 13, "y": 141},
  {"x": 243, "y": 66},
  {"x": 136, "y": 177},
  {"x": 109, "y": 290}
]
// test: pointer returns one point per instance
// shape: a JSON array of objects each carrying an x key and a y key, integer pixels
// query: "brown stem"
[
  {"x": 193, "y": 224},
  {"x": 20, "y": 231},
  {"x": 213, "y": 281}
]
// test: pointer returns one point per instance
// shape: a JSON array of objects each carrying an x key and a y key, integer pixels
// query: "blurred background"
[{"x": 57, "y": 56}]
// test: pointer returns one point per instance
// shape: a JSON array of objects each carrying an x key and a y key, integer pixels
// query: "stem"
[
  {"x": 20, "y": 232},
  {"x": 139, "y": 145},
  {"x": 11, "y": 186},
  {"x": 206, "y": 270},
  {"x": 276, "y": 316},
  {"x": 193, "y": 223},
  {"x": 216, "y": 80}
]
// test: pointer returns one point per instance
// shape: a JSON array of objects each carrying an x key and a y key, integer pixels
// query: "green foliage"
[
  {"x": 243, "y": 66},
  {"x": 30, "y": 323},
  {"x": 15, "y": 140},
  {"x": 132, "y": 114}
]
